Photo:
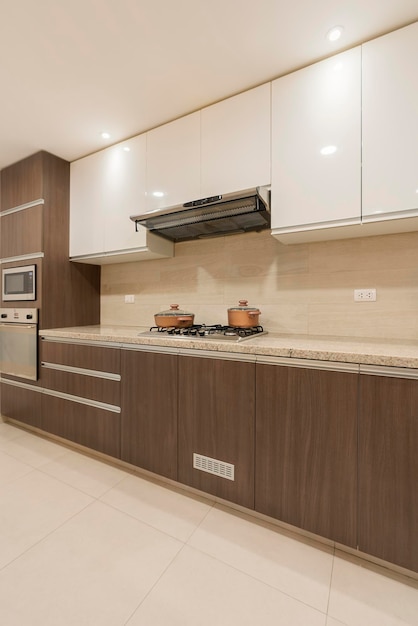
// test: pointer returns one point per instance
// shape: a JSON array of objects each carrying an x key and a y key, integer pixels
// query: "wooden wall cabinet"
[
  {"x": 67, "y": 295},
  {"x": 388, "y": 467},
  {"x": 306, "y": 448},
  {"x": 149, "y": 411},
  {"x": 21, "y": 232},
  {"x": 216, "y": 420}
]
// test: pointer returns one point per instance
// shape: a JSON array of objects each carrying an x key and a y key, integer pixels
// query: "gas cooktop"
[{"x": 215, "y": 332}]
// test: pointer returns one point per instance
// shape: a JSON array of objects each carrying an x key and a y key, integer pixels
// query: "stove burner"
[{"x": 214, "y": 331}]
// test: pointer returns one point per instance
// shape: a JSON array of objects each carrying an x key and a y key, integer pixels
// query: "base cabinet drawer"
[
  {"x": 91, "y": 385},
  {"x": 21, "y": 403},
  {"x": 89, "y": 426},
  {"x": 85, "y": 356}
]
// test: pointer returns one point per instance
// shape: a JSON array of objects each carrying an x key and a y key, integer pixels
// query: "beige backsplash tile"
[{"x": 304, "y": 288}]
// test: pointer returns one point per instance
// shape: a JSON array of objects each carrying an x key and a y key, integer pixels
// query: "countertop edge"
[{"x": 361, "y": 351}]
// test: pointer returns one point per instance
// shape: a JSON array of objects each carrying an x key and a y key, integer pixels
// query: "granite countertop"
[{"x": 390, "y": 352}]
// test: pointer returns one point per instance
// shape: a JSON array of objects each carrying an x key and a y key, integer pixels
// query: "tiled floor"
[{"x": 83, "y": 543}]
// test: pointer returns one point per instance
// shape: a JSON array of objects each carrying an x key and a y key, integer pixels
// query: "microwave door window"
[{"x": 15, "y": 283}]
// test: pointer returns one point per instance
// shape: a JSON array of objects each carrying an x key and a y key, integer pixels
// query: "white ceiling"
[{"x": 70, "y": 69}]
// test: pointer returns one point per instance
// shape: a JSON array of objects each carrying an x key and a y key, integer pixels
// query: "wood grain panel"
[
  {"x": 21, "y": 404},
  {"x": 90, "y": 387},
  {"x": 100, "y": 358},
  {"x": 149, "y": 411},
  {"x": 89, "y": 426},
  {"x": 216, "y": 419},
  {"x": 22, "y": 182},
  {"x": 306, "y": 449},
  {"x": 22, "y": 232},
  {"x": 388, "y": 469}
]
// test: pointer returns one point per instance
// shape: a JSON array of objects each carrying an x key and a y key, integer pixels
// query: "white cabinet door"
[
  {"x": 316, "y": 145},
  {"x": 236, "y": 143},
  {"x": 123, "y": 189},
  {"x": 390, "y": 124},
  {"x": 106, "y": 188},
  {"x": 173, "y": 162},
  {"x": 86, "y": 205}
]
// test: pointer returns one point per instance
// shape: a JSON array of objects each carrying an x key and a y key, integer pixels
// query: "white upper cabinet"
[
  {"x": 173, "y": 163},
  {"x": 86, "y": 205},
  {"x": 316, "y": 146},
  {"x": 390, "y": 125},
  {"x": 123, "y": 184},
  {"x": 236, "y": 137},
  {"x": 106, "y": 189}
]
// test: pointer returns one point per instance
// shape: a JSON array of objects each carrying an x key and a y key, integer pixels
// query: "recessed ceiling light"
[
  {"x": 105, "y": 135},
  {"x": 327, "y": 150},
  {"x": 335, "y": 33},
  {"x": 158, "y": 194},
  {"x": 127, "y": 149}
]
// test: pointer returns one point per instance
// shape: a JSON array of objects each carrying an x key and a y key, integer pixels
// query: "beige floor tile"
[
  {"x": 33, "y": 450},
  {"x": 333, "y": 622},
  {"x": 92, "y": 476},
  {"x": 275, "y": 557},
  {"x": 200, "y": 590},
  {"x": 31, "y": 508},
  {"x": 362, "y": 596},
  {"x": 93, "y": 570},
  {"x": 11, "y": 469},
  {"x": 9, "y": 432},
  {"x": 167, "y": 509}
]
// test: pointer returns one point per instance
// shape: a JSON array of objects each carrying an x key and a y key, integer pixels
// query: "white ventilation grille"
[{"x": 213, "y": 466}]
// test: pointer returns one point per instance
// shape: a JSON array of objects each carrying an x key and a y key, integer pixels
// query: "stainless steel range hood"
[{"x": 211, "y": 217}]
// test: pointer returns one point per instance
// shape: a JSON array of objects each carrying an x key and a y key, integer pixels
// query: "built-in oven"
[
  {"x": 18, "y": 283},
  {"x": 19, "y": 342}
]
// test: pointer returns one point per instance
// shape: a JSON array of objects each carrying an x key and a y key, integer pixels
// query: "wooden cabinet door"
[
  {"x": 22, "y": 182},
  {"x": 316, "y": 145},
  {"x": 389, "y": 124},
  {"x": 149, "y": 411},
  {"x": 21, "y": 232},
  {"x": 236, "y": 137},
  {"x": 216, "y": 420},
  {"x": 388, "y": 469},
  {"x": 306, "y": 449}
]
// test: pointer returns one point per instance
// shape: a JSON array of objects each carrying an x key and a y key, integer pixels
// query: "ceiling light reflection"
[{"x": 327, "y": 150}]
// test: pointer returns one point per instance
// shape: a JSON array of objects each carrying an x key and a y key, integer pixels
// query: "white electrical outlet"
[
  {"x": 130, "y": 299},
  {"x": 365, "y": 295}
]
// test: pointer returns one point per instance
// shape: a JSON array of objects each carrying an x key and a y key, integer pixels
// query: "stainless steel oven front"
[{"x": 19, "y": 342}]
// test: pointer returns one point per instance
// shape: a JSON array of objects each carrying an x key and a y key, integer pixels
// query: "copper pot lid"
[
  {"x": 174, "y": 311},
  {"x": 243, "y": 306}
]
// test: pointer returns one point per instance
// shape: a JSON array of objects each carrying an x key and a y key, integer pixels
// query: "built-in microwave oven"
[{"x": 19, "y": 283}]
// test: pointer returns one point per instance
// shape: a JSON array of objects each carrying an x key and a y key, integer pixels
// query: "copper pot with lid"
[
  {"x": 174, "y": 318},
  {"x": 243, "y": 316}
]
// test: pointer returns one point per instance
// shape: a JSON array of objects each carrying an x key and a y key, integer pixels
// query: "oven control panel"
[{"x": 19, "y": 316}]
